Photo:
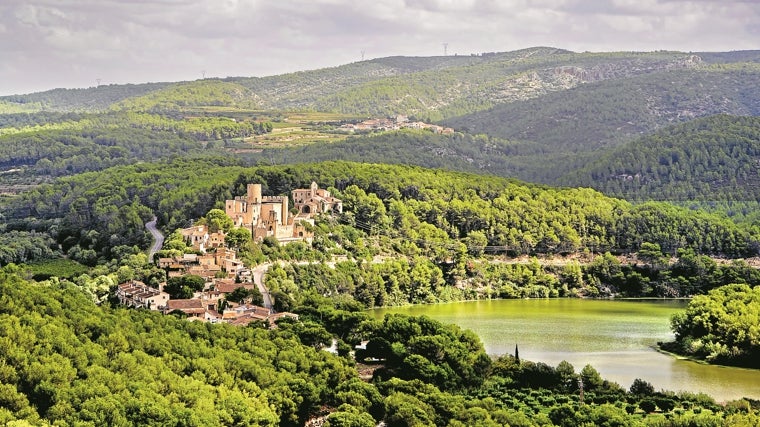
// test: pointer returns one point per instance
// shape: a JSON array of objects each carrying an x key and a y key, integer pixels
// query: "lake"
[{"x": 615, "y": 336}]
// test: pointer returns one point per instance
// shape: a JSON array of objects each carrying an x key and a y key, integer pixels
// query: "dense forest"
[
  {"x": 43, "y": 145},
  {"x": 714, "y": 158},
  {"x": 456, "y": 152},
  {"x": 67, "y": 361}
]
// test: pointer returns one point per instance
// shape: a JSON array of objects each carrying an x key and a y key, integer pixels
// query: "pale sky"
[{"x": 46, "y": 44}]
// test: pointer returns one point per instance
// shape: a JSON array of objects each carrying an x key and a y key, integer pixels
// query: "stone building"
[
  {"x": 200, "y": 239},
  {"x": 139, "y": 295},
  {"x": 313, "y": 200},
  {"x": 269, "y": 216}
]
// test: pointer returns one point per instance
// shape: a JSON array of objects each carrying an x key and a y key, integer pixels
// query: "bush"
[{"x": 647, "y": 405}]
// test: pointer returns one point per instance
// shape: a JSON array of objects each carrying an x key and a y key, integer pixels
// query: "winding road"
[
  {"x": 158, "y": 238},
  {"x": 258, "y": 278}
]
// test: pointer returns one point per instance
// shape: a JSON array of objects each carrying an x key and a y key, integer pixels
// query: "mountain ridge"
[{"x": 302, "y": 89}]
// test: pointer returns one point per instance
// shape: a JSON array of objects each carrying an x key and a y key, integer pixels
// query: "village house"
[
  {"x": 201, "y": 240},
  {"x": 208, "y": 265},
  {"x": 139, "y": 295},
  {"x": 395, "y": 123},
  {"x": 243, "y": 315},
  {"x": 226, "y": 286},
  {"x": 195, "y": 309},
  {"x": 203, "y": 306}
]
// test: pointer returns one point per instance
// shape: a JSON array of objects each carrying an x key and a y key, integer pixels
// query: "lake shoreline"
[
  {"x": 618, "y": 337},
  {"x": 659, "y": 348}
]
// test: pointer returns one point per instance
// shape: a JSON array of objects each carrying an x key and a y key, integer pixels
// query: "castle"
[{"x": 269, "y": 216}]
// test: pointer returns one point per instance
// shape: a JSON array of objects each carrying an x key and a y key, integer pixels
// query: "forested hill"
[
  {"x": 91, "y": 99},
  {"x": 470, "y": 85},
  {"x": 609, "y": 113},
  {"x": 545, "y": 112},
  {"x": 428, "y": 88},
  {"x": 714, "y": 158},
  {"x": 204, "y": 93},
  {"x": 456, "y": 152},
  {"x": 729, "y": 57},
  {"x": 420, "y": 211}
]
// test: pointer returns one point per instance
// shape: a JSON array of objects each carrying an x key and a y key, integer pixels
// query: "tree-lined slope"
[
  {"x": 200, "y": 93},
  {"x": 609, "y": 113},
  {"x": 455, "y": 152},
  {"x": 715, "y": 158},
  {"x": 66, "y": 361},
  {"x": 97, "y": 98},
  {"x": 444, "y": 214}
]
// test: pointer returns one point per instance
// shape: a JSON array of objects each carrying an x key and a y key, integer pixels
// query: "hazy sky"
[{"x": 46, "y": 44}]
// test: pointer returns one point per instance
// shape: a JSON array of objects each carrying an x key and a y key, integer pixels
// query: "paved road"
[
  {"x": 258, "y": 278},
  {"x": 158, "y": 238}
]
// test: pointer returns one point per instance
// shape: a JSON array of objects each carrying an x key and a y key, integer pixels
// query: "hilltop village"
[
  {"x": 218, "y": 266},
  {"x": 393, "y": 123}
]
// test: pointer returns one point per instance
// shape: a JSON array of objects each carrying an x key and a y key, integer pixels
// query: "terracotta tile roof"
[
  {"x": 245, "y": 320},
  {"x": 230, "y": 287},
  {"x": 185, "y": 304}
]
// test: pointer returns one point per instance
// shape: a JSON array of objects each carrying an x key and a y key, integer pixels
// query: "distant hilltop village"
[
  {"x": 394, "y": 123},
  {"x": 269, "y": 216}
]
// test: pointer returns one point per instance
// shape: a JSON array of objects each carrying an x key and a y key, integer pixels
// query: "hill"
[
  {"x": 729, "y": 57},
  {"x": 436, "y": 88},
  {"x": 429, "y": 88},
  {"x": 95, "y": 212},
  {"x": 608, "y": 113},
  {"x": 713, "y": 158},
  {"x": 455, "y": 152},
  {"x": 91, "y": 99},
  {"x": 187, "y": 95}
]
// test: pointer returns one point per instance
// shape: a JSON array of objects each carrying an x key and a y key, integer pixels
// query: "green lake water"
[{"x": 614, "y": 336}]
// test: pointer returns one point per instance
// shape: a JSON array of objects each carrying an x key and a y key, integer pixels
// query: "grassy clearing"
[
  {"x": 63, "y": 268},
  {"x": 13, "y": 107},
  {"x": 291, "y": 135}
]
